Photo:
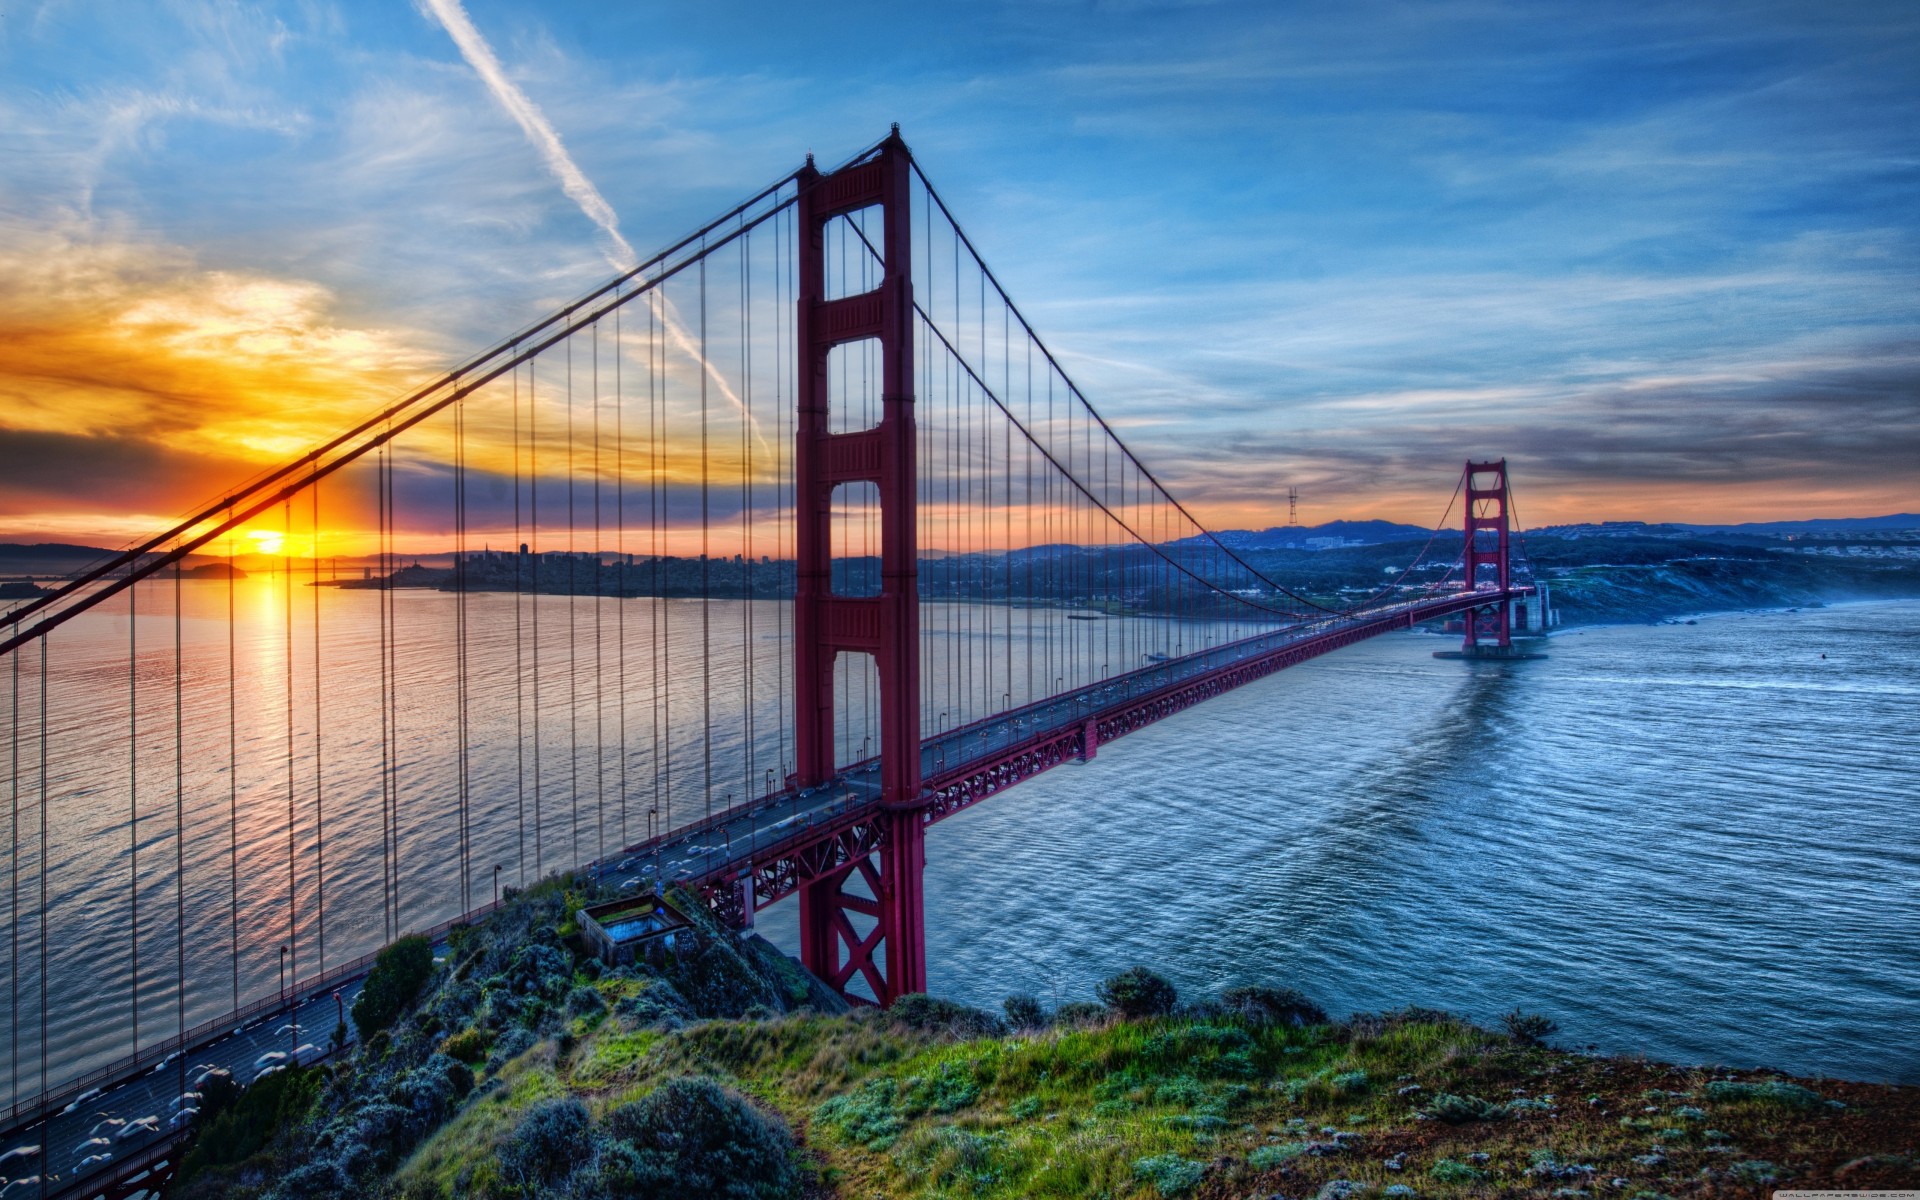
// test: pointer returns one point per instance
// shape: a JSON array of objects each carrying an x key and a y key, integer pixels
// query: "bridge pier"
[{"x": 891, "y": 955}]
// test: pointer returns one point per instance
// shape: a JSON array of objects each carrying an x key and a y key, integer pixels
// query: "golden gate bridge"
[{"x": 805, "y": 541}]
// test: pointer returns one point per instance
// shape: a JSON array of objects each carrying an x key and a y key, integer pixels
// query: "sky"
[{"x": 1663, "y": 257}]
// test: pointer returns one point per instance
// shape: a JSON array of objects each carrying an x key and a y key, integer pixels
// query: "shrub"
[
  {"x": 1349, "y": 1083},
  {"x": 584, "y": 1001},
  {"x": 512, "y": 1044},
  {"x": 1458, "y": 1110},
  {"x": 1267, "y": 1157},
  {"x": 431, "y": 1089},
  {"x": 930, "y": 1014},
  {"x": 468, "y": 1046},
  {"x": 1078, "y": 1013},
  {"x": 546, "y": 1143},
  {"x": 1137, "y": 992},
  {"x": 1529, "y": 1029},
  {"x": 1772, "y": 1091},
  {"x": 694, "y": 1139},
  {"x": 248, "y": 1121},
  {"x": 1169, "y": 1174},
  {"x": 1272, "y": 1006},
  {"x": 1756, "y": 1171},
  {"x": 1452, "y": 1170},
  {"x": 866, "y": 1116},
  {"x": 398, "y": 974},
  {"x": 1024, "y": 1109},
  {"x": 1024, "y": 1012}
]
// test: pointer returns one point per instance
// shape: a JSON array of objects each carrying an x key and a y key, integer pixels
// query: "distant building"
[{"x": 1326, "y": 543}]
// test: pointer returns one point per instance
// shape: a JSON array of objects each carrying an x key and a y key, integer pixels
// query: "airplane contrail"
[{"x": 573, "y": 181}]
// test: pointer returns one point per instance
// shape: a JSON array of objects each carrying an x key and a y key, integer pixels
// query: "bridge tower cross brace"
[
  {"x": 1487, "y": 510},
  {"x": 890, "y": 955}
]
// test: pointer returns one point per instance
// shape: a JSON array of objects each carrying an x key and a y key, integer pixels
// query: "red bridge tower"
[
  {"x": 1487, "y": 513},
  {"x": 891, "y": 955}
]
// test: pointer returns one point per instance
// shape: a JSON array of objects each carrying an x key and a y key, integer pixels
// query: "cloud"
[{"x": 573, "y": 181}]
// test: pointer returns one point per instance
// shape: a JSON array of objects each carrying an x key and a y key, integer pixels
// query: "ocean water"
[{"x": 1696, "y": 842}]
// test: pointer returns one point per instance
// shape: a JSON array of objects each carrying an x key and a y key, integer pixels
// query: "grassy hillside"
[{"x": 523, "y": 1072}]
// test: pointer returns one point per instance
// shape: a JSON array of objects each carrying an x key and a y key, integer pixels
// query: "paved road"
[
  {"x": 692, "y": 855},
  {"x": 115, "y": 1116}
]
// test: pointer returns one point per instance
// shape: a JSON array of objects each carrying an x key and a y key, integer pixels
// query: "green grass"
[{"x": 1183, "y": 1107}]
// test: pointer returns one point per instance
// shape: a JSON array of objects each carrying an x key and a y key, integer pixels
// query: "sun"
[{"x": 267, "y": 541}]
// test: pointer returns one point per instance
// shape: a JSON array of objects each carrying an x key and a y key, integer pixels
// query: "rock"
[{"x": 1397, "y": 1163}]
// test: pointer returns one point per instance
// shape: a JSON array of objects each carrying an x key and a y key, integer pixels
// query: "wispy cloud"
[{"x": 573, "y": 181}]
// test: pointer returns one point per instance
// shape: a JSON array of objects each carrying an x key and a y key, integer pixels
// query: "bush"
[
  {"x": 1452, "y": 1170},
  {"x": 1529, "y": 1029},
  {"x": 1458, "y": 1110},
  {"x": 469, "y": 1045},
  {"x": 1272, "y": 1006},
  {"x": 1136, "y": 993},
  {"x": 930, "y": 1014},
  {"x": 584, "y": 1001},
  {"x": 248, "y": 1121},
  {"x": 1772, "y": 1091},
  {"x": 398, "y": 974},
  {"x": 696, "y": 1140},
  {"x": 866, "y": 1116},
  {"x": 512, "y": 1044},
  {"x": 1079, "y": 1013},
  {"x": 1024, "y": 1012},
  {"x": 1169, "y": 1174},
  {"x": 1268, "y": 1157},
  {"x": 544, "y": 1146}
]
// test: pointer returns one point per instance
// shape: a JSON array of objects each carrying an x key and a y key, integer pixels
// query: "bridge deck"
[{"x": 765, "y": 839}]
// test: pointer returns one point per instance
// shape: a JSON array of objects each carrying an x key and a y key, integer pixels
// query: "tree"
[
  {"x": 398, "y": 974},
  {"x": 1137, "y": 992}
]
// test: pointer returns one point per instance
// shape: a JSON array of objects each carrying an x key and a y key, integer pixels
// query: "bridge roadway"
[
  {"x": 776, "y": 842},
  {"x": 791, "y": 834}
]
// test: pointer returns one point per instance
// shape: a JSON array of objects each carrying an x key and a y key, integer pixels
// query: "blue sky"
[{"x": 1663, "y": 256}]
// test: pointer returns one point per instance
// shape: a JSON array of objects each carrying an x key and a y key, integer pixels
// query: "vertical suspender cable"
[
  {"x": 706, "y": 567},
  {"x": 133, "y": 811},
  {"x": 293, "y": 890},
  {"x": 620, "y": 555},
  {"x": 233, "y": 781},
  {"x": 319, "y": 782},
  {"x": 599, "y": 705},
  {"x": 44, "y": 793},
  {"x": 520, "y": 581},
  {"x": 533, "y": 535},
  {"x": 462, "y": 762},
  {"x": 13, "y": 885},
  {"x": 573, "y": 646},
  {"x": 179, "y": 837}
]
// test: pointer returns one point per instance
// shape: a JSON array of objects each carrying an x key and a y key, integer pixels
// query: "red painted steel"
[
  {"x": 824, "y": 853},
  {"x": 1487, "y": 512},
  {"x": 890, "y": 955}
]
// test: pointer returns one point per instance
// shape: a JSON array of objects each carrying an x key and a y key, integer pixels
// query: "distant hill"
[
  {"x": 47, "y": 558},
  {"x": 1818, "y": 525},
  {"x": 1827, "y": 525},
  {"x": 1295, "y": 537}
]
